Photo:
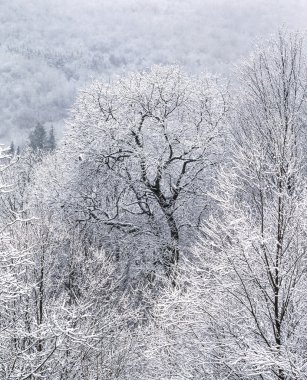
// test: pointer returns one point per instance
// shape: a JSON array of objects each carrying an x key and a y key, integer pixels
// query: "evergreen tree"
[
  {"x": 38, "y": 138},
  {"x": 11, "y": 150},
  {"x": 51, "y": 144}
]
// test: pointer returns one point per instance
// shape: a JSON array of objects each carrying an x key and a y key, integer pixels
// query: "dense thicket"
[{"x": 165, "y": 237}]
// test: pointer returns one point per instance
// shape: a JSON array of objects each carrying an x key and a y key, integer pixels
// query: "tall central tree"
[{"x": 147, "y": 146}]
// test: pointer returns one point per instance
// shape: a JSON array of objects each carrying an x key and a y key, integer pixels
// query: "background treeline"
[
  {"x": 51, "y": 49},
  {"x": 164, "y": 237}
]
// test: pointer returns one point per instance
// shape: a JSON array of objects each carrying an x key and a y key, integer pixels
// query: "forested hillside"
[{"x": 49, "y": 49}]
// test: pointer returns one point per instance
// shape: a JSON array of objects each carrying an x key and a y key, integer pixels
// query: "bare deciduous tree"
[
  {"x": 243, "y": 312},
  {"x": 146, "y": 147}
]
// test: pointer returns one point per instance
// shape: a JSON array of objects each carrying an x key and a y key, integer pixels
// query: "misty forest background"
[{"x": 153, "y": 190}]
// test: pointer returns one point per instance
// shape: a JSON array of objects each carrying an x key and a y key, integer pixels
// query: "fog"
[{"x": 50, "y": 49}]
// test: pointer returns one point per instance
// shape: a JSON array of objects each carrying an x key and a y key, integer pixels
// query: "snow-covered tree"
[
  {"x": 15, "y": 262},
  {"x": 241, "y": 311},
  {"x": 78, "y": 317},
  {"x": 144, "y": 149}
]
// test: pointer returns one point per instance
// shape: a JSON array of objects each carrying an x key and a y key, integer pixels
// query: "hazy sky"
[{"x": 50, "y": 48}]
